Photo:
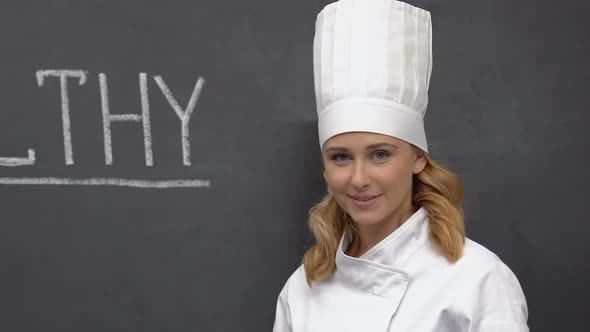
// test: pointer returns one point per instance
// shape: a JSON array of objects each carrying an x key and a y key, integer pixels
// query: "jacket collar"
[{"x": 380, "y": 270}]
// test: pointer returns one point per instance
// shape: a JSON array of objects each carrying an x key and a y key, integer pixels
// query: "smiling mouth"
[
  {"x": 364, "y": 202},
  {"x": 364, "y": 198}
]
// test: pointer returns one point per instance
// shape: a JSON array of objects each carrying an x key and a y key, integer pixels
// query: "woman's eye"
[
  {"x": 380, "y": 155},
  {"x": 340, "y": 157}
]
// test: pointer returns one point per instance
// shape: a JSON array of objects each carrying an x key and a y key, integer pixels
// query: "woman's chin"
[{"x": 365, "y": 219}]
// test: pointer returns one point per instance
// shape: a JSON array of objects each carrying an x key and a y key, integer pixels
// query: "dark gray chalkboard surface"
[{"x": 93, "y": 250}]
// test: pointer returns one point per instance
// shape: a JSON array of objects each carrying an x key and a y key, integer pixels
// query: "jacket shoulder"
[
  {"x": 475, "y": 253},
  {"x": 495, "y": 290},
  {"x": 295, "y": 283}
]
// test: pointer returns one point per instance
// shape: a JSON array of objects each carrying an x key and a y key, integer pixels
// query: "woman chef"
[{"x": 390, "y": 252}]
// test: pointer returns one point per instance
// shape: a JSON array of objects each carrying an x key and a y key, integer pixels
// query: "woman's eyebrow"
[
  {"x": 336, "y": 149},
  {"x": 381, "y": 145}
]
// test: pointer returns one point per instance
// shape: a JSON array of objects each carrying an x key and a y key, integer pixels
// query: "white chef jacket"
[{"x": 404, "y": 284}]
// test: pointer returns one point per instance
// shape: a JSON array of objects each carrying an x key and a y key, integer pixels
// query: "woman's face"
[{"x": 370, "y": 176}]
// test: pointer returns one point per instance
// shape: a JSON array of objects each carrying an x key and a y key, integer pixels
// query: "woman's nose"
[{"x": 360, "y": 177}]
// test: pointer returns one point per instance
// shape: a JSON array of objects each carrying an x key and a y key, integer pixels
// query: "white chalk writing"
[
  {"x": 107, "y": 118},
  {"x": 183, "y": 115},
  {"x": 14, "y": 161},
  {"x": 178, "y": 183},
  {"x": 65, "y": 103}
]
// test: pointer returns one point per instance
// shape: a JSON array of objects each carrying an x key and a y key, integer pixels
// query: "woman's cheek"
[{"x": 336, "y": 177}]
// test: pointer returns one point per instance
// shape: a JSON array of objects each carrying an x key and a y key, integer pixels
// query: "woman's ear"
[{"x": 420, "y": 161}]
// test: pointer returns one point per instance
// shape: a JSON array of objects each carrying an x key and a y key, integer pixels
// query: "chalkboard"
[{"x": 157, "y": 159}]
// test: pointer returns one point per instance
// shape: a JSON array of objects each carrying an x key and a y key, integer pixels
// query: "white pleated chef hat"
[{"x": 372, "y": 63}]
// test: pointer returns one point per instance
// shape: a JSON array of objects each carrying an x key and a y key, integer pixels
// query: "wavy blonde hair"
[{"x": 436, "y": 188}]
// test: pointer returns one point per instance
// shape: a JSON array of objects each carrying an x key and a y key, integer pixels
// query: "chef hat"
[{"x": 372, "y": 62}]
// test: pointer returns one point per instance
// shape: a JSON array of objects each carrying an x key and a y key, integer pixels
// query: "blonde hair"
[{"x": 436, "y": 188}]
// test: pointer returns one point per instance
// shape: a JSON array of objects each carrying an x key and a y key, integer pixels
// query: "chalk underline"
[{"x": 137, "y": 183}]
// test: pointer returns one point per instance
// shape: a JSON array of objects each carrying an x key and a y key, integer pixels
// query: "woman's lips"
[{"x": 364, "y": 202}]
